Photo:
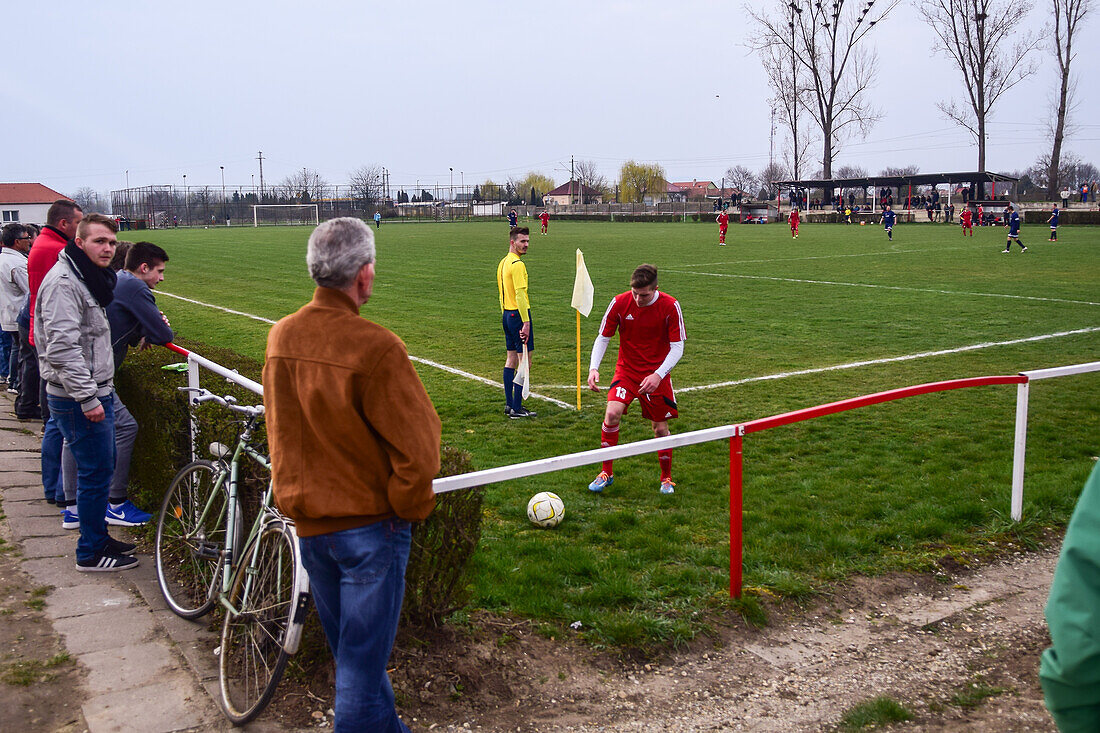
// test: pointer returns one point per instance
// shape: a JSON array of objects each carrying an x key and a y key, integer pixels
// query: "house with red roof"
[
  {"x": 581, "y": 194},
  {"x": 697, "y": 190},
  {"x": 26, "y": 203}
]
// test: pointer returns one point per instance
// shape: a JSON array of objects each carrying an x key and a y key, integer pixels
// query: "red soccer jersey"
[
  {"x": 966, "y": 217},
  {"x": 644, "y": 332},
  {"x": 793, "y": 218},
  {"x": 723, "y": 220},
  {"x": 545, "y": 218}
]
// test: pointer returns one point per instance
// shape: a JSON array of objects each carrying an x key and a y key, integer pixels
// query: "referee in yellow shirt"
[{"x": 515, "y": 304}]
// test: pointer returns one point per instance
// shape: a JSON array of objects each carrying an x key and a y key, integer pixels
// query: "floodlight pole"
[
  {"x": 186, "y": 202},
  {"x": 223, "y": 192}
]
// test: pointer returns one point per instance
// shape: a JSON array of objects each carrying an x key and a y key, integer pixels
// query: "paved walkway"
[{"x": 149, "y": 671}]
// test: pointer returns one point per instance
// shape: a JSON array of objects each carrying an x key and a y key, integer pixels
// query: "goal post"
[{"x": 285, "y": 214}]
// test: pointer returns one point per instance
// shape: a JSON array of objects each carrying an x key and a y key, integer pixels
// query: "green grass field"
[{"x": 889, "y": 487}]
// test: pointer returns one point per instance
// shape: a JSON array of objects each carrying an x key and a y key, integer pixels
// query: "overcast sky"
[{"x": 93, "y": 90}]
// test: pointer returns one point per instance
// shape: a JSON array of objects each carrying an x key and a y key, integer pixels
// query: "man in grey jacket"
[{"x": 76, "y": 362}]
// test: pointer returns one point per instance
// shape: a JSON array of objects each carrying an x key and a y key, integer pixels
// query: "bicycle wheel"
[
  {"x": 189, "y": 544},
  {"x": 253, "y": 656}
]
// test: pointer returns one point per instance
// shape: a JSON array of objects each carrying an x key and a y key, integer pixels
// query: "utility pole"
[
  {"x": 260, "y": 157},
  {"x": 571, "y": 201}
]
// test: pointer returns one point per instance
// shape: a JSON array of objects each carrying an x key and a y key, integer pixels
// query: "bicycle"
[{"x": 263, "y": 588}]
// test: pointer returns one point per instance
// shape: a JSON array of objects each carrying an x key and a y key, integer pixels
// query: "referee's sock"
[{"x": 509, "y": 386}]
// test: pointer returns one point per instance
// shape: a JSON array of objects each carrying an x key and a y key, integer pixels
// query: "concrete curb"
[{"x": 149, "y": 671}]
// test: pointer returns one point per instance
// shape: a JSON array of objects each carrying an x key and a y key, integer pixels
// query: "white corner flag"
[{"x": 583, "y": 291}]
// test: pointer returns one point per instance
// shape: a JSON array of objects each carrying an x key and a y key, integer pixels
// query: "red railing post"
[{"x": 736, "y": 549}]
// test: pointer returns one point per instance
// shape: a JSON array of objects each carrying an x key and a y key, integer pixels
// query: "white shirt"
[{"x": 13, "y": 286}]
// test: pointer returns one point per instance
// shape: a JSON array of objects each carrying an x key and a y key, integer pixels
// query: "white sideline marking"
[
  {"x": 887, "y": 360},
  {"x": 826, "y": 257},
  {"x": 886, "y": 287},
  {"x": 426, "y": 362},
  {"x": 870, "y": 362}
]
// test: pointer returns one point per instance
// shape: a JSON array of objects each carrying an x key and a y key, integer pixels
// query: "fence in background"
[{"x": 735, "y": 433}]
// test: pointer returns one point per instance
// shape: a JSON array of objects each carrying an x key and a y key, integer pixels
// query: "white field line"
[
  {"x": 826, "y": 257},
  {"x": 872, "y": 362},
  {"x": 886, "y": 287},
  {"x": 427, "y": 362}
]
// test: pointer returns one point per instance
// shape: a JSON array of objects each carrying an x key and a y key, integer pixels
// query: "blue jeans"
[
  {"x": 126, "y": 430},
  {"x": 358, "y": 581},
  {"x": 8, "y": 339},
  {"x": 93, "y": 446}
]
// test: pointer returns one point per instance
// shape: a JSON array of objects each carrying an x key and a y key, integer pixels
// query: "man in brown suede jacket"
[{"x": 354, "y": 446}]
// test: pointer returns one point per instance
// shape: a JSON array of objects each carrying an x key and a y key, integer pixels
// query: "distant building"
[
  {"x": 698, "y": 190},
  {"x": 26, "y": 203},
  {"x": 581, "y": 194}
]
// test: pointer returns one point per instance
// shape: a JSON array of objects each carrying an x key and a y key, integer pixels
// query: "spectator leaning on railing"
[{"x": 135, "y": 320}]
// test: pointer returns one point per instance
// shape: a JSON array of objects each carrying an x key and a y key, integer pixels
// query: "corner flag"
[
  {"x": 582, "y": 288},
  {"x": 583, "y": 293}
]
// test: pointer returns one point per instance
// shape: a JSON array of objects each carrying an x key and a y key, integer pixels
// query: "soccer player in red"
[
  {"x": 544, "y": 217},
  {"x": 793, "y": 219},
  {"x": 723, "y": 224},
  {"x": 967, "y": 222},
  {"x": 651, "y": 342}
]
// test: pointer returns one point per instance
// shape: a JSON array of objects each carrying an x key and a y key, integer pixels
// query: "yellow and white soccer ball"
[{"x": 546, "y": 509}]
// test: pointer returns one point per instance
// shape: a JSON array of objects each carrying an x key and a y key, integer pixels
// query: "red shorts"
[
  {"x": 658, "y": 406},
  {"x": 722, "y": 228}
]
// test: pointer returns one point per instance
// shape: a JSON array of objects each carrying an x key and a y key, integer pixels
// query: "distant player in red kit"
[
  {"x": 793, "y": 219},
  {"x": 544, "y": 217},
  {"x": 967, "y": 222},
  {"x": 651, "y": 342},
  {"x": 723, "y": 224}
]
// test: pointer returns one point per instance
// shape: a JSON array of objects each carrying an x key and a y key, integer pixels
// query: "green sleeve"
[{"x": 1070, "y": 669}]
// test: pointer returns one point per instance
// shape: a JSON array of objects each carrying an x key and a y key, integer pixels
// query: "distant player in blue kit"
[
  {"x": 888, "y": 219},
  {"x": 513, "y": 219},
  {"x": 1013, "y": 229},
  {"x": 1053, "y": 221}
]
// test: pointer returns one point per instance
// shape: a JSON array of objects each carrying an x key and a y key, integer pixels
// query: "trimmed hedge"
[{"x": 442, "y": 546}]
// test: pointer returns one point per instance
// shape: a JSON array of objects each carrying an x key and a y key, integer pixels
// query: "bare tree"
[
  {"x": 827, "y": 40},
  {"x": 366, "y": 183},
  {"x": 792, "y": 94},
  {"x": 305, "y": 185},
  {"x": 742, "y": 179},
  {"x": 767, "y": 177},
  {"x": 987, "y": 41},
  {"x": 89, "y": 199},
  {"x": 908, "y": 170},
  {"x": 588, "y": 174},
  {"x": 1068, "y": 14}
]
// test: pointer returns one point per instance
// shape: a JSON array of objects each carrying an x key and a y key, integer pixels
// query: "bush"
[{"x": 435, "y": 581}]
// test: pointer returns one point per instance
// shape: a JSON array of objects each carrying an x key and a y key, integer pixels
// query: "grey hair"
[{"x": 337, "y": 250}]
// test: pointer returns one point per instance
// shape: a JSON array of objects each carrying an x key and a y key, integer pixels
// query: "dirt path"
[{"x": 959, "y": 652}]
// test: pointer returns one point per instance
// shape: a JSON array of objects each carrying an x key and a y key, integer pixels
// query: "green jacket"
[{"x": 1070, "y": 668}]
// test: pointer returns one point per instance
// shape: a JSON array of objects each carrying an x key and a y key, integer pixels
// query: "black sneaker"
[
  {"x": 106, "y": 562},
  {"x": 522, "y": 412},
  {"x": 118, "y": 547}
]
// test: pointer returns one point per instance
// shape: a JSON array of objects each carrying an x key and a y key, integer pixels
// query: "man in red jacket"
[{"x": 61, "y": 222}]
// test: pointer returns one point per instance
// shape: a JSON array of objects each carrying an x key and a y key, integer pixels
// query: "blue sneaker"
[
  {"x": 69, "y": 520},
  {"x": 602, "y": 482},
  {"x": 127, "y": 515}
]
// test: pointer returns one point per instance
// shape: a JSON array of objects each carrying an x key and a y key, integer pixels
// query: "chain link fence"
[{"x": 161, "y": 207}]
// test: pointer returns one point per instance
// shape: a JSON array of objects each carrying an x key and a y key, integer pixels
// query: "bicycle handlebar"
[{"x": 205, "y": 395}]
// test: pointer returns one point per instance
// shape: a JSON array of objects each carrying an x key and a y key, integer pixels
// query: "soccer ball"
[{"x": 546, "y": 509}]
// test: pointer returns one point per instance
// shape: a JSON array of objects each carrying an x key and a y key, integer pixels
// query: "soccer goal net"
[{"x": 284, "y": 214}]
